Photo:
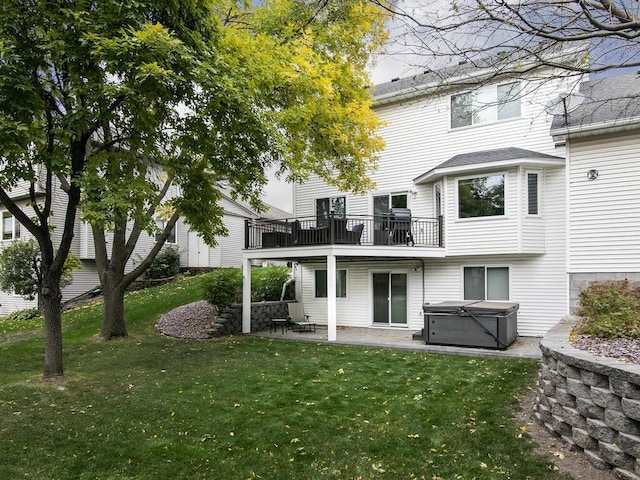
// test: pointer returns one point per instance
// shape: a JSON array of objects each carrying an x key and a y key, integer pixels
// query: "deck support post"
[
  {"x": 246, "y": 295},
  {"x": 331, "y": 299}
]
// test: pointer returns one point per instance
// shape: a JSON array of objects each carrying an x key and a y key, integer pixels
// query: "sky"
[{"x": 278, "y": 193}]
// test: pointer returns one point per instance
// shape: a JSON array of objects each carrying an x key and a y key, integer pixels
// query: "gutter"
[{"x": 560, "y": 135}]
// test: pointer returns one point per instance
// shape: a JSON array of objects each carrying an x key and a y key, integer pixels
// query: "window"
[
  {"x": 508, "y": 100},
  {"x": 437, "y": 201},
  {"x": 10, "y": 227},
  {"x": 481, "y": 196},
  {"x": 381, "y": 206},
  {"x": 321, "y": 283},
  {"x": 485, "y": 105},
  {"x": 486, "y": 283},
  {"x": 383, "y": 203},
  {"x": 172, "y": 236},
  {"x": 327, "y": 206},
  {"x": 532, "y": 194}
]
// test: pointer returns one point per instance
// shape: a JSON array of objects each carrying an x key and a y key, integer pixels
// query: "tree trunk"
[
  {"x": 113, "y": 324},
  {"x": 50, "y": 297}
]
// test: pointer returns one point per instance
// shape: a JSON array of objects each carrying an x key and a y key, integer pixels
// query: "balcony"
[{"x": 396, "y": 228}]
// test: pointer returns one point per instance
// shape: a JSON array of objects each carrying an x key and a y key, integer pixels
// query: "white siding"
[
  {"x": 356, "y": 310},
  {"x": 11, "y": 303},
  {"x": 228, "y": 252},
  {"x": 605, "y": 212},
  {"x": 84, "y": 279},
  {"x": 233, "y": 244},
  {"x": 418, "y": 138}
]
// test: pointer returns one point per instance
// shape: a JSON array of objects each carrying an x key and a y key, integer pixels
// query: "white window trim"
[
  {"x": 490, "y": 217},
  {"x": 508, "y": 266},
  {"x": 331, "y": 197},
  {"x": 13, "y": 228},
  {"x": 526, "y": 199},
  {"x": 346, "y": 281},
  {"x": 175, "y": 232},
  {"x": 490, "y": 122},
  {"x": 439, "y": 185},
  {"x": 408, "y": 193},
  {"x": 405, "y": 271}
]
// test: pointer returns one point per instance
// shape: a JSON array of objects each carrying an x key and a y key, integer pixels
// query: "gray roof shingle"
[
  {"x": 472, "y": 73},
  {"x": 606, "y": 100},
  {"x": 490, "y": 156},
  {"x": 479, "y": 158}
]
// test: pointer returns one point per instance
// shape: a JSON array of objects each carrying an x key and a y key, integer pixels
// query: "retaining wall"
[
  {"x": 592, "y": 402},
  {"x": 229, "y": 322}
]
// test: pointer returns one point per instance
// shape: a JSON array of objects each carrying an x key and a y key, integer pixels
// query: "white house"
[
  {"x": 476, "y": 187},
  {"x": 194, "y": 253},
  {"x": 601, "y": 135}
]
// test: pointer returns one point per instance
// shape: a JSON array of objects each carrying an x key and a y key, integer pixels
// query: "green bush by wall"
[{"x": 224, "y": 286}]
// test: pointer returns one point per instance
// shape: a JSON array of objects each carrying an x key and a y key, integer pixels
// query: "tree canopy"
[{"x": 107, "y": 104}]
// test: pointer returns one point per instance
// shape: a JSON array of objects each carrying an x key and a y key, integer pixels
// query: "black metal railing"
[{"x": 389, "y": 229}]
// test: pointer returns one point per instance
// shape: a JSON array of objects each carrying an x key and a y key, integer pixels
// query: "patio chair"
[
  {"x": 355, "y": 233},
  {"x": 298, "y": 320}
]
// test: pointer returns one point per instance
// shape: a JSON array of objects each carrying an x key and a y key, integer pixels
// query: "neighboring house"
[
  {"x": 602, "y": 138},
  {"x": 469, "y": 204},
  {"x": 193, "y": 252}
]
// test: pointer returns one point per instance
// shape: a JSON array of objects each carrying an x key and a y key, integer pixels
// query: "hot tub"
[{"x": 471, "y": 324}]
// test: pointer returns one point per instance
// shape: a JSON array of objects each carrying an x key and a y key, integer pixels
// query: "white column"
[
  {"x": 246, "y": 296},
  {"x": 331, "y": 299}
]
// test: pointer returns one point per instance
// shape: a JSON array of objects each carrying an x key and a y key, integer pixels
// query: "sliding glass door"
[{"x": 389, "y": 298}]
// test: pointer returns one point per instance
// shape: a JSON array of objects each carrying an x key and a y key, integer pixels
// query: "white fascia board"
[{"x": 560, "y": 135}]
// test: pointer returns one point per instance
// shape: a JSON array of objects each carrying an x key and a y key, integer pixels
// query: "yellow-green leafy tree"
[{"x": 112, "y": 104}]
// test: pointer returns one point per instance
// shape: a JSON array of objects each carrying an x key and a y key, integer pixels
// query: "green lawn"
[{"x": 239, "y": 408}]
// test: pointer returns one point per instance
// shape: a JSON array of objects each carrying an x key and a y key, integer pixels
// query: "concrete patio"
[{"x": 522, "y": 347}]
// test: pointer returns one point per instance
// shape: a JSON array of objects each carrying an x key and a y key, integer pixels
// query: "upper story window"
[
  {"x": 172, "y": 236},
  {"x": 10, "y": 227},
  {"x": 325, "y": 207},
  {"x": 481, "y": 196},
  {"x": 532, "y": 193},
  {"x": 485, "y": 105}
]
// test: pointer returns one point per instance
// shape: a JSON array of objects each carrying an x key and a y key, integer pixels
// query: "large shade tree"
[{"x": 106, "y": 106}]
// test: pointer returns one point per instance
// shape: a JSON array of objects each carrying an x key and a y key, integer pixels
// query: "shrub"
[
  {"x": 24, "y": 315},
  {"x": 20, "y": 268},
  {"x": 609, "y": 310},
  {"x": 266, "y": 283},
  {"x": 224, "y": 286},
  {"x": 165, "y": 265}
]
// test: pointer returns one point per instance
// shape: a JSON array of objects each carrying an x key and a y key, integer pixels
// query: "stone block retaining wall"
[
  {"x": 229, "y": 322},
  {"x": 592, "y": 402}
]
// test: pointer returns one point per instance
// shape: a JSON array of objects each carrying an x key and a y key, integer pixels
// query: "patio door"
[{"x": 389, "y": 298}]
